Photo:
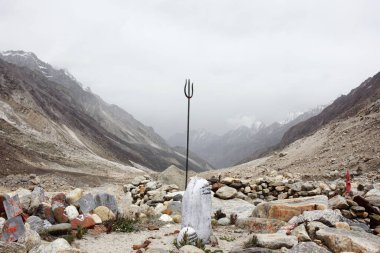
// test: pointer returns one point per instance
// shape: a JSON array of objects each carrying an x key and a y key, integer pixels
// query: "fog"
[{"x": 249, "y": 60}]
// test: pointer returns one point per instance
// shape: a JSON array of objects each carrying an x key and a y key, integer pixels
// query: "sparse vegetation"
[
  {"x": 227, "y": 238},
  {"x": 219, "y": 214},
  {"x": 251, "y": 243},
  {"x": 80, "y": 232},
  {"x": 122, "y": 225}
]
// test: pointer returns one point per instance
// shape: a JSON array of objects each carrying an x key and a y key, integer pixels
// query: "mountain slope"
[
  {"x": 343, "y": 107},
  {"x": 48, "y": 120},
  {"x": 349, "y": 138}
]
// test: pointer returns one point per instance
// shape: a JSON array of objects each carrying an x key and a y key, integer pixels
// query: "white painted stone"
[
  {"x": 192, "y": 236},
  {"x": 197, "y": 208},
  {"x": 71, "y": 212}
]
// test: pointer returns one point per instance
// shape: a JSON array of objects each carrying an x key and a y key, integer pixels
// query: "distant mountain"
[
  {"x": 49, "y": 121},
  {"x": 343, "y": 107},
  {"x": 240, "y": 144}
]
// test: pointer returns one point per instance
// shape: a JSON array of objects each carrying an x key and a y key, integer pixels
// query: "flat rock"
[
  {"x": 309, "y": 247},
  {"x": 328, "y": 217},
  {"x": 274, "y": 241},
  {"x": 106, "y": 199},
  {"x": 301, "y": 233},
  {"x": 339, "y": 240},
  {"x": 242, "y": 208},
  {"x": 260, "y": 225},
  {"x": 285, "y": 209}
]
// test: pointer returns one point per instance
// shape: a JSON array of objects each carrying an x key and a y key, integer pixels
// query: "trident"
[{"x": 189, "y": 92}]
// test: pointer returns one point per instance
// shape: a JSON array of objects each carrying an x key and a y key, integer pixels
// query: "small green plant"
[
  {"x": 185, "y": 241},
  {"x": 80, "y": 232},
  {"x": 123, "y": 225},
  {"x": 228, "y": 239},
  {"x": 69, "y": 238}
]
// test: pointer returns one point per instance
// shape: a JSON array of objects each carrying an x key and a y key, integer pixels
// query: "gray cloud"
[{"x": 248, "y": 59}]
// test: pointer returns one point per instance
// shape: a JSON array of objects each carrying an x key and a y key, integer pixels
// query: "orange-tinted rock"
[
  {"x": 167, "y": 211},
  {"x": 59, "y": 198},
  {"x": 59, "y": 214},
  {"x": 84, "y": 221},
  {"x": 285, "y": 209},
  {"x": 260, "y": 225}
]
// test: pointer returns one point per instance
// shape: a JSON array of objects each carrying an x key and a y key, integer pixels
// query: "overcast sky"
[{"x": 249, "y": 60}]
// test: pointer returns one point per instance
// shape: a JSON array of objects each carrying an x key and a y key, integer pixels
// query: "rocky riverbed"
[{"x": 276, "y": 213}]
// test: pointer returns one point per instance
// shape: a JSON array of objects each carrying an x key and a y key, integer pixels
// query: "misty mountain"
[
  {"x": 239, "y": 144},
  {"x": 48, "y": 120},
  {"x": 343, "y": 107}
]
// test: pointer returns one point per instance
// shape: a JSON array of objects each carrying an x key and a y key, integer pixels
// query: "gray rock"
[
  {"x": 30, "y": 239},
  {"x": 87, "y": 203},
  {"x": 242, "y": 208},
  {"x": 178, "y": 197},
  {"x": 274, "y": 241},
  {"x": 309, "y": 247},
  {"x": 37, "y": 197},
  {"x": 339, "y": 240},
  {"x": 59, "y": 229},
  {"x": 153, "y": 185},
  {"x": 307, "y": 186},
  {"x": 338, "y": 202},
  {"x": 226, "y": 192},
  {"x": 106, "y": 199},
  {"x": 313, "y": 227},
  {"x": 36, "y": 224},
  {"x": 328, "y": 217},
  {"x": 12, "y": 247}
]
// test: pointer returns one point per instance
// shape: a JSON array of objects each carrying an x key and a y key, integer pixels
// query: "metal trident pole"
[{"x": 189, "y": 92}]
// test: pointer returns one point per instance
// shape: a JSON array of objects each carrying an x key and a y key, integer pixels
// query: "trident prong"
[{"x": 189, "y": 94}]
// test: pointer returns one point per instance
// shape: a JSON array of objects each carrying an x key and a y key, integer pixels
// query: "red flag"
[{"x": 348, "y": 182}]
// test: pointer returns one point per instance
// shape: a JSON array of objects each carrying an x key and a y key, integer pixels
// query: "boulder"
[
  {"x": 59, "y": 229},
  {"x": 12, "y": 247},
  {"x": 73, "y": 196},
  {"x": 226, "y": 192},
  {"x": 260, "y": 225},
  {"x": 338, "y": 202},
  {"x": 339, "y": 240},
  {"x": 104, "y": 213},
  {"x": 313, "y": 227},
  {"x": 285, "y": 209},
  {"x": 274, "y": 241},
  {"x": 328, "y": 217},
  {"x": 59, "y": 213},
  {"x": 309, "y": 247},
  {"x": 30, "y": 239},
  {"x": 242, "y": 208},
  {"x": 25, "y": 196}
]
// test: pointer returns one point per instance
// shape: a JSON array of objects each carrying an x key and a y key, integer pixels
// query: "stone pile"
[{"x": 278, "y": 187}]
